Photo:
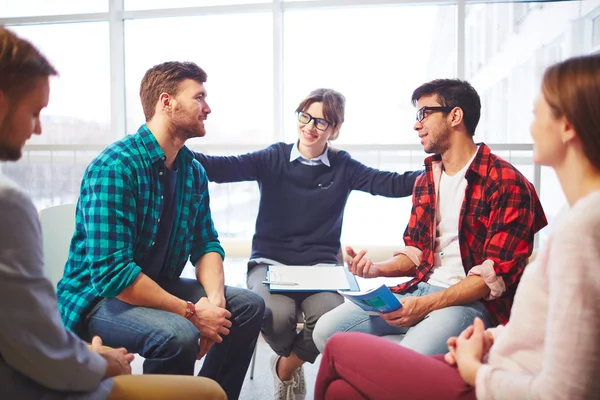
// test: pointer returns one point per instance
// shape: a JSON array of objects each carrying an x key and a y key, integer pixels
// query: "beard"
[
  {"x": 440, "y": 144},
  {"x": 8, "y": 153},
  {"x": 187, "y": 126}
]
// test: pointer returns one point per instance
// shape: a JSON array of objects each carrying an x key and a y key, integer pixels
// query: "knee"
[
  {"x": 278, "y": 323},
  {"x": 178, "y": 338},
  {"x": 252, "y": 310},
  {"x": 323, "y": 330},
  {"x": 342, "y": 343}
]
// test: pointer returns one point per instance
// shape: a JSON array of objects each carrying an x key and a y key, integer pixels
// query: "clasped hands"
[
  {"x": 468, "y": 349},
  {"x": 212, "y": 320}
]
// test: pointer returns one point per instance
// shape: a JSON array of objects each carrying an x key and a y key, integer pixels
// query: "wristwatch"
[{"x": 190, "y": 310}]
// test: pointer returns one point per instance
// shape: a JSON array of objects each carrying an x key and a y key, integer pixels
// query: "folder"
[{"x": 309, "y": 278}]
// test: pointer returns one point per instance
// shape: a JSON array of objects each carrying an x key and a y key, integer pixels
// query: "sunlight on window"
[
  {"x": 79, "y": 108},
  {"x": 376, "y": 57},
  {"x": 29, "y": 8},
  {"x": 235, "y": 51}
]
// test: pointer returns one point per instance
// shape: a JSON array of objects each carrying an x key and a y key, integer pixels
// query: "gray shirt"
[{"x": 39, "y": 358}]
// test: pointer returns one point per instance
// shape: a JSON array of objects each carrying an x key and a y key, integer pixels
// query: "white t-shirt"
[{"x": 447, "y": 268}]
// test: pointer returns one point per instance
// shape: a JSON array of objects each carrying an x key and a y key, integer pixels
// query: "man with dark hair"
[
  {"x": 469, "y": 236},
  {"x": 143, "y": 211}
]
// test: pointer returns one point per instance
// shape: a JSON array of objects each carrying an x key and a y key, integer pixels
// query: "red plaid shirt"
[{"x": 499, "y": 216}]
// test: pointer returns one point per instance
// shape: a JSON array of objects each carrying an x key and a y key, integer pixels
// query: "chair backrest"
[{"x": 58, "y": 225}]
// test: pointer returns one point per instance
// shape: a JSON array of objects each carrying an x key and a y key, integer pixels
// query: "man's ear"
[
  {"x": 4, "y": 106},
  {"x": 165, "y": 101},
  {"x": 456, "y": 116}
]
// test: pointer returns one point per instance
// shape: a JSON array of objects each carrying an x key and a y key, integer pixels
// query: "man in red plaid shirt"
[{"x": 469, "y": 236}]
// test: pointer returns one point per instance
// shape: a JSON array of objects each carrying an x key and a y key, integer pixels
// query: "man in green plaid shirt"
[{"x": 143, "y": 211}]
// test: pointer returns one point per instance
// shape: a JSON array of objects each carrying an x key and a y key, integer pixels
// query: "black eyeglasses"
[
  {"x": 421, "y": 111},
  {"x": 320, "y": 123}
]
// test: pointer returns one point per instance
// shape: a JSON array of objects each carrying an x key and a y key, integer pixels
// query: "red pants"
[{"x": 361, "y": 366}]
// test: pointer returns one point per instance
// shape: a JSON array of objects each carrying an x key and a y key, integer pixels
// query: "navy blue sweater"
[{"x": 301, "y": 206}]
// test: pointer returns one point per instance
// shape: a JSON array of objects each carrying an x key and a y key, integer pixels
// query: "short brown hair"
[
  {"x": 334, "y": 104},
  {"x": 572, "y": 89},
  {"x": 165, "y": 78},
  {"x": 20, "y": 63}
]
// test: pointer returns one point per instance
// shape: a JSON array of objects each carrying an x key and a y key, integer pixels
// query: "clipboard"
[{"x": 310, "y": 278}]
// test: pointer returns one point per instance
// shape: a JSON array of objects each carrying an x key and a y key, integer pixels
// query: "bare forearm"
[
  {"x": 470, "y": 289},
  {"x": 147, "y": 293},
  {"x": 399, "y": 265},
  {"x": 209, "y": 272}
]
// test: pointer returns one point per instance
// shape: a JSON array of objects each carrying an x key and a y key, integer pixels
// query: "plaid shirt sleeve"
[
  {"x": 508, "y": 242},
  {"x": 107, "y": 210},
  {"x": 206, "y": 239}
]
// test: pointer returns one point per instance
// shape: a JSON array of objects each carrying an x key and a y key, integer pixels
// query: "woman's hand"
[
  {"x": 470, "y": 347},
  {"x": 488, "y": 339}
]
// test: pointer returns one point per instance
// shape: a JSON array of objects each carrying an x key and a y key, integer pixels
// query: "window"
[
  {"x": 376, "y": 67},
  {"x": 152, "y": 4},
  {"x": 376, "y": 55},
  {"x": 78, "y": 112},
  {"x": 29, "y": 8},
  {"x": 596, "y": 32},
  {"x": 239, "y": 69},
  {"x": 79, "y": 108}
]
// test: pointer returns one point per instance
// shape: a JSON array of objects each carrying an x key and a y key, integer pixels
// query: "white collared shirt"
[{"x": 322, "y": 159}]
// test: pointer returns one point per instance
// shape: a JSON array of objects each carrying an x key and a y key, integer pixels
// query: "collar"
[
  {"x": 322, "y": 159},
  {"x": 479, "y": 165},
  {"x": 153, "y": 149}
]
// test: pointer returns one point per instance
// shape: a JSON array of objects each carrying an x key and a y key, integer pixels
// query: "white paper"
[{"x": 308, "y": 277}]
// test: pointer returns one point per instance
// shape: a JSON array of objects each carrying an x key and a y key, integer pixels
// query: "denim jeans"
[
  {"x": 169, "y": 342},
  {"x": 426, "y": 337}
]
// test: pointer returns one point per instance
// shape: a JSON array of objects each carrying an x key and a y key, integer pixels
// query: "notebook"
[{"x": 309, "y": 278}]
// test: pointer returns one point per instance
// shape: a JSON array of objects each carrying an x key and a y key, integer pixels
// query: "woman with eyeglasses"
[
  {"x": 550, "y": 349},
  {"x": 304, "y": 187}
]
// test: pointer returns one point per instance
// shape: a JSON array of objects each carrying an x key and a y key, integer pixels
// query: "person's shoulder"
[
  {"x": 279, "y": 147},
  {"x": 275, "y": 152},
  {"x": 339, "y": 153},
  {"x": 583, "y": 216},
  {"x": 120, "y": 155},
  {"x": 13, "y": 199},
  {"x": 11, "y": 192},
  {"x": 502, "y": 173}
]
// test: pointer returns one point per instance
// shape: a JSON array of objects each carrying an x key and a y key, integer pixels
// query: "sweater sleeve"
[
  {"x": 571, "y": 359},
  {"x": 245, "y": 167},
  {"x": 33, "y": 340},
  {"x": 383, "y": 183}
]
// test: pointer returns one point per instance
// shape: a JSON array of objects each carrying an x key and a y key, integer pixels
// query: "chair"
[
  {"x": 299, "y": 325},
  {"x": 58, "y": 225}
]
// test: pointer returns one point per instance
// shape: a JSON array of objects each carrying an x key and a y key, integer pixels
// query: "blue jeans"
[
  {"x": 169, "y": 342},
  {"x": 427, "y": 337}
]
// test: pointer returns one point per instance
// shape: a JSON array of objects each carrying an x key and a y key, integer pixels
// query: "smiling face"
[
  {"x": 18, "y": 121},
  {"x": 311, "y": 138},
  {"x": 190, "y": 109},
  {"x": 434, "y": 129}
]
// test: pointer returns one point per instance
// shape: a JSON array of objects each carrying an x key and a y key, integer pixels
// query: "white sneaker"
[
  {"x": 299, "y": 384},
  {"x": 283, "y": 390}
]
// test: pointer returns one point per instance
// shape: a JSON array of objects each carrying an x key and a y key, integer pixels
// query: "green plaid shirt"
[{"x": 117, "y": 222}]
